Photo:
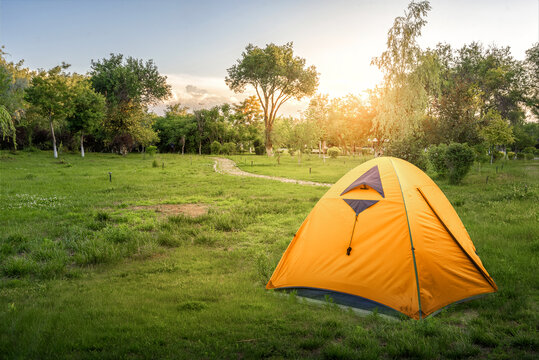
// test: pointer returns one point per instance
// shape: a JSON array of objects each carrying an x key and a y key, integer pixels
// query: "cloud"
[
  {"x": 200, "y": 92},
  {"x": 195, "y": 91}
]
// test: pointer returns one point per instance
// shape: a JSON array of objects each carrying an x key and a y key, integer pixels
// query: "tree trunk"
[
  {"x": 81, "y": 144},
  {"x": 55, "y": 151},
  {"x": 319, "y": 148},
  {"x": 183, "y": 144},
  {"x": 200, "y": 148},
  {"x": 269, "y": 144}
]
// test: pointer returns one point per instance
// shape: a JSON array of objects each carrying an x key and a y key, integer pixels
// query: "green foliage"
[
  {"x": 151, "y": 150},
  {"x": 497, "y": 131},
  {"x": 459, "y": 159},
  {"x": 276, "y": 73},
  {"x": 481, "y": 153},
  {"x": 497, "y": 155},
  {"x": 132, "y": 81},
  {"x": 49, "y": 94},
  {"x": 333, "y": 152},
  {"x": 529, "y": 156},
  {"x": 259, "y": 147},
  {"x": 228, "y": 148},
  {"x": 215, "y": 147},
  {"x": 529, "y": 150},
  {"x": 520, "y": 156},
  {"x": 510, "y": 155},
  {"x": 7, "y": 127},
  {"x": 437, "y": 156},
  {"x": 129, "y": 87},
  {"x": 410, "y": 149},
  {"x": 88, "y": 107},
  {"x": 155, "y": 163}
]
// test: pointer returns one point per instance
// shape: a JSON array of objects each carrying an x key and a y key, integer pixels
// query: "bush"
[
  {"x": 510, "y": 155},
  {"x": 333, "y": 152},
  {"x": 536, "y": 152},
  {"x": 436, "y": 157},
  {"x": 481, "y": 153},
  {"x": 520, "y": 156},
  {"x": 529, "y": 156},
  {"x": 497, "y": 155},
  {"x": 529, "y": 150},
  {"x": 151, "y": 150},
  {"x": 260, "y": 149},
  {"x": 155, "y": 164},
  {"x": 228, "y": 148},
  {"x": 410, "y": 149},
  {"x": 459, "y": 159},
  {"x": 215, "y": 147}
]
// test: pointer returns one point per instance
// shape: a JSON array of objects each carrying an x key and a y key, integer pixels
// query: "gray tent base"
[{"x": 357, "y": 304}]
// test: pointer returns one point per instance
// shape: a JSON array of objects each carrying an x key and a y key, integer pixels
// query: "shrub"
[
  {"x": 333, "y": 152},
  {"x": 529, "y": 150},
  {"x": 536, "y": 152},
  {"x": 436, "y": 157},
  {"x": 497, "y": 155},
  {"x": 481, "y": 153},
  {"x": 520, "y": 156},
  {"x": 215, "y": 147},
  {"x": 151, "y": 150},
  {"x": 459, "y": 159},
  {"x": 155, "y": 164},
  {"x": 529, "y": 156},
  {"x": 510, "y": 155},
  {"x": 409, "y": 149},
  {"x": 228, "y": 148},
  {"x": 260, "y": 149}
]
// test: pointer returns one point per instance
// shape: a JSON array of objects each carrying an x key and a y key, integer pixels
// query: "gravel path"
[{"x": 227, "y": 166}]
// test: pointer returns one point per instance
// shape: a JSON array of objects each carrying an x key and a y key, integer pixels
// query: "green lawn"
[
  {"x": 89, "y": 270},
  {"x": 312, "y": 168}
]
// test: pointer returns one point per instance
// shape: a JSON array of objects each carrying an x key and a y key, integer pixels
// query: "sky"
[{"x": 194, "y": 42}]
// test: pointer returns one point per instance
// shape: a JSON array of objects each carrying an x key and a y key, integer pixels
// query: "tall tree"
[
  {"x": 497, "y": 132},
  {"x": 13, "y": 80},
  {"x": 49, "y": 94},
  {"x": 276, "y": 76},
  {"x": 402, "y": 100},
  {"x": 129, "y": 87},
  {"x": 88, "y": 108},
  {"x": 532, "y": 70}
]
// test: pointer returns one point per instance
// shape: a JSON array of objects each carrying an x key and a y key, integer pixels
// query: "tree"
[
  {"x": 49, "y": 94},
  {"x": 276, "y": 75},
  {"x": 6, "y": 126},
  {"x": 402, "y": 100},
  {"x": 497, "y": 132},
  {"x": 532, "y": 71},
  {"x": 129, "y": 87},
  {"x": 13, "y": 80},
  {"x": 88, "y": 109}
]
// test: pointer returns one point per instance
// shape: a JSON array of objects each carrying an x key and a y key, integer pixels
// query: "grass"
[
  {"x": 88, "y": 272},
  {"x": 308, "y": 167}
]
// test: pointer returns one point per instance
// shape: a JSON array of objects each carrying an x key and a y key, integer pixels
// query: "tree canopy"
[{"x": 276, "y": 76}]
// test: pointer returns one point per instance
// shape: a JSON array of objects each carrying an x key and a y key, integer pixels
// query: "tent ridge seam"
[{"x": 411, "y": 241}]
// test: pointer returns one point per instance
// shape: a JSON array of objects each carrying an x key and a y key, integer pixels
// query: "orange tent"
[{"x": 384, "y": 236}]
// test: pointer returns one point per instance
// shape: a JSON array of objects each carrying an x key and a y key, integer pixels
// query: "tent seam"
[{"x": 411, "y": 241}]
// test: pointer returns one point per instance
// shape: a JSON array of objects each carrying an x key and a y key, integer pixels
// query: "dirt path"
[{"x": 227, "y": 166}]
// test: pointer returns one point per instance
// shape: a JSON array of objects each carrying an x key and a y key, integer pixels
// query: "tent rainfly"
[{"x": 385, "y": 237}]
